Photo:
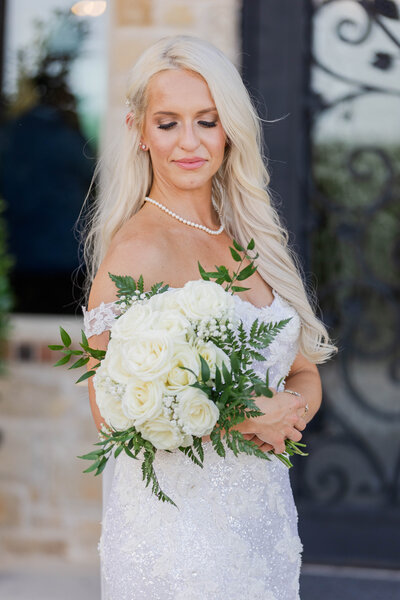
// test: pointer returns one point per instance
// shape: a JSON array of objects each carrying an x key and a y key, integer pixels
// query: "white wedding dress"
[{"x": 235, "y": 532}]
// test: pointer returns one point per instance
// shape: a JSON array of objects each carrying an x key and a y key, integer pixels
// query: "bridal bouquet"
[{"x": 178, "y": 367}]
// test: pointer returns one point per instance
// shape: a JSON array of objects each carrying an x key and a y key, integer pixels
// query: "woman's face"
[{"x": 181, "y": 122}]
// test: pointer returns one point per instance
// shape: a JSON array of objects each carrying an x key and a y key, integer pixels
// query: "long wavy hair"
[{"x": 239, "y": 188}]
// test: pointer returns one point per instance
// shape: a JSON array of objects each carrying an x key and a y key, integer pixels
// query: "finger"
[
  {"x": 300, "y": 424},
  {"x": 248, "y": 436},
  {"x": 279, "y": 448},
  {"x": 266, "y": 447},
  {"x": 294, "y": 435},
  {"x": 257, "y": 441},
  {"x": 300, "y": 401}
]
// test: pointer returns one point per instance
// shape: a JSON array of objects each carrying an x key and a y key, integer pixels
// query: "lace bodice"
[{"x": 279, "y": 355}]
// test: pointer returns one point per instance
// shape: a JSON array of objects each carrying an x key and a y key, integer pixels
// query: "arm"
[
  {"x": 304, "y": 378},
  {"x": 99, "y": 342},
  {"x": 284, "y": 414},
  {"x": 133, "y": 257},
  {"x": 286, "y": 417}
]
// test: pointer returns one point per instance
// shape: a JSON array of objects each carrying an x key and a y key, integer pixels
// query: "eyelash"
[{"x": 204, "y": 123}]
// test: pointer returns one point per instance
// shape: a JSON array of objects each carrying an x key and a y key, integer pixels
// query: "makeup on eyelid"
[{"x": 203, "y": 123}]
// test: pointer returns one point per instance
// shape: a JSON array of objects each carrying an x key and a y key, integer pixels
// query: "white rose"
[
  {"x": 142, "y": 400},
  {"x": 166, "y": 301},
  {"x": 213, "y": 356},
  {"x": 138, "y": 318},
  {"x": 173, "y": 322},
  {"x": 146, "y": 357},
  {"x": 197, "y": 412},
  {"x": 163, "y": 434},
  {"x": 184, "y": 356},
  {"x": 201, "y": 299},
  {"x": 108, "y": 400}
]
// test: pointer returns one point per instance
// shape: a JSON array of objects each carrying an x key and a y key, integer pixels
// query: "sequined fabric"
[{"x": 235, "y": 532}]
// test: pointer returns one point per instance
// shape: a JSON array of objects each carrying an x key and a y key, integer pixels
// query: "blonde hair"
[{"x": 239, "y": 188}]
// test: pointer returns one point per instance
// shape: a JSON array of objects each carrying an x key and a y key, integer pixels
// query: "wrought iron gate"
[{"x": 348, "y": 112}]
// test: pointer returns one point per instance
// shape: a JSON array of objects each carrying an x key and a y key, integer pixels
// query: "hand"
[
  {"x": 248, "y": 436},
  {"x": 283, "y": 419},
  {"x": 260, "y": 443}
]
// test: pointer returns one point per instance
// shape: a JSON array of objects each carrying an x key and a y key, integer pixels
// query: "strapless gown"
[{"x": 235, "y": 533}]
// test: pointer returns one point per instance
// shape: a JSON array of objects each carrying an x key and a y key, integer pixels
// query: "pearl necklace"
[{"x": 185, "y": 221}]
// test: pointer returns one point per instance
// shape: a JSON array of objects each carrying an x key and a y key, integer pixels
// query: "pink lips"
[{"x": 190, "y": 163}]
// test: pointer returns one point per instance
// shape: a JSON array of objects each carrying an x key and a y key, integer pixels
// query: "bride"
[{"x": 186, "y": 177}]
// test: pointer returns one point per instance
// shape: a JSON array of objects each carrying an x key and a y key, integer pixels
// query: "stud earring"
[{"x": 143, "y": 146}]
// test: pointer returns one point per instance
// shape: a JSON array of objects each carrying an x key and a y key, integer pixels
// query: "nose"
[{"x": 189, "y": 139}]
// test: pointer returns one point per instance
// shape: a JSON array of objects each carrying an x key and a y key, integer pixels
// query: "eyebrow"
[{"x": 173, "y": 114}]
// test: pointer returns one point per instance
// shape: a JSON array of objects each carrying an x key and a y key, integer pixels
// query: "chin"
[{"x": 194, "y": 183}]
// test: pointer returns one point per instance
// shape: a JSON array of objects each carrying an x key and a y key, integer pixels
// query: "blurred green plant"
[{"x": 358, "y": 234}]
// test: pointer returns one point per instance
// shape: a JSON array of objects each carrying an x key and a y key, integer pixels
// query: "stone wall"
[
  {"x": 136, "y": 25},
  {"x": 48, "y": 507}
]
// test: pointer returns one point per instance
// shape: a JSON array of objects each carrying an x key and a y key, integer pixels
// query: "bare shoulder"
[{"x": 134, "y": 251}]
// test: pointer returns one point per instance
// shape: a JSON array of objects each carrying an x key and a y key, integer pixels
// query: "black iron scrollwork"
[{"x": 355, "y": 232}]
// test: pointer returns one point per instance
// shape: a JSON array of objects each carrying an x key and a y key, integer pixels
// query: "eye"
[
  {"x": 208, "y": 123},
  {"x": 167, "y": 125}
]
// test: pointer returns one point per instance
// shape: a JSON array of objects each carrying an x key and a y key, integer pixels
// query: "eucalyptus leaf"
[
  {"x": 205, "y": 369},
  {"x": 62, "y": 361},
  {"x": 85, "y": 376},
  {"x": 235, "y": 255},
  {"x": 65, "y": 337},
  {"x": 79, "y": 363},
  {"x": 246, "y": 272},
  {"x": 238, "y": 246}
]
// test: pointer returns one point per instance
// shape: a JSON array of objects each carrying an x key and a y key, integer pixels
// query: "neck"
[{"x": 194, "y": 205}]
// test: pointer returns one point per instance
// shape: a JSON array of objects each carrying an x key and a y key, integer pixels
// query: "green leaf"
[
  {"x": 55, "y": 347},
  {"x": 238, "y": 246},
  {"x": 251, "y": 244},
  {"x": 235, "y": 255},
  {"x": 102, "y": 465},
  {"x": 99, "y": 354},
  {"x": 65, "y": 337},
  {"x": 198, "y": 446},
  {"x": 140, "y": 284},
  {"x": 235, "y": 363},
  {"x": 85, "y": 342},
  {"x": 217, "y": 443},
  {"x": 203, "y": 272},
  {"x": 226, "y": 374},
  {"x": 205, "y": 369},
  {"x": 218, "y": 378},
  {"x": 118, "y": 451},
  {"x": 94, "y": 455},
  {"x": 238, "y": 288},
  {"x": 246, "y": 272},
  {"x": 79, "y": 363},
  {"x": 92, "y": 467},
  {"x": 256, "y": 355},
  {"x": 85, "y": 376},
  {"x": 124, "y": 283},
  {"x": 62, "y": 361},
  {"x": 129, "y": 453}
]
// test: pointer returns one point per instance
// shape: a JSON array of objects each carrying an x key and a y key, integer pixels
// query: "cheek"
[
  {"x": 217, "y": 144},
  {"x": 161, "y": 144}
]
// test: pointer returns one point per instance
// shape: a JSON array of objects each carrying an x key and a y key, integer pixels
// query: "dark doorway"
[{"x": 334, "y": 68}]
